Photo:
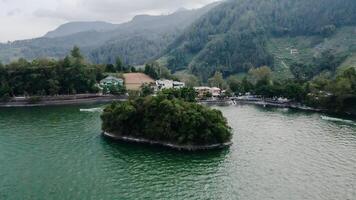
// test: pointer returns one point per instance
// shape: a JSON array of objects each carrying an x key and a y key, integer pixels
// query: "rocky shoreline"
[{"x": 166, "y": 144}]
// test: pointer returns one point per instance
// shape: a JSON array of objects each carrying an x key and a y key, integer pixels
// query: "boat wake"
[
  {"x": 337, "y": 120},
  {"x": 92, "y": 110}
]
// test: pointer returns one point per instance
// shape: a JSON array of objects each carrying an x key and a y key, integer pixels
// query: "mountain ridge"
[
  {"x": 79, "y": 26},
  {"x": 150, "y": 34}
]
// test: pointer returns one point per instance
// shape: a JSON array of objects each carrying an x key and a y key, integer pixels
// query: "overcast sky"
[{"x": 23, "y": 19}]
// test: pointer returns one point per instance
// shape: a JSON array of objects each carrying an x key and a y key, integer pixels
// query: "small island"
[{"x": 166, "y": 121}]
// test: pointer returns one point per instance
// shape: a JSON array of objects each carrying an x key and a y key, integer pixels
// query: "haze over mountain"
[
  {"x": 77, "y": 27},
  {"x": 143, "y": 38}
]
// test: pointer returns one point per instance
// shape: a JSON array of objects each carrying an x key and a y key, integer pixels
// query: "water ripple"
[{"x": 58, "y": 153}]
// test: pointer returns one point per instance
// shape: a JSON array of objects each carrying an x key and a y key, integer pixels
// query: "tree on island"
[
  {"x": 186, "y": 94},
  {"x": 166, "y": 120}
]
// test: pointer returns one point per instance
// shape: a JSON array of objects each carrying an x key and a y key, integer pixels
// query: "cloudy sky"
[{"x": 22, "y": 19}]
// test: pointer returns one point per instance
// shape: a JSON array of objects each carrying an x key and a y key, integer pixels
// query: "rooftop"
[{"x": 137, "y": 78}]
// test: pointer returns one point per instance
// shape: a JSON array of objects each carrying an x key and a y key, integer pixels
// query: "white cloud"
[{"x": 32, "y": 18}]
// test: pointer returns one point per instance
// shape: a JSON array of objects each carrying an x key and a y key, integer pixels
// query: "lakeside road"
[{"x": 63, "y": 100}]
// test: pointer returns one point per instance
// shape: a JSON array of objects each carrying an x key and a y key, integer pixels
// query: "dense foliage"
[
  {"x": 157, "y": 71},
  {"x": 167, "y": 120},
  {"x": 146, "y": 90},
  {"x": 114, "y": 89},
  {"x": 233, "y": 37},
  {"x": 186, "y": 94},
  {"x": 71, "y": 75},
  {"x": 328, "y": 61},
  {"x": 337, "y": 94},
  {"x": 324, "y": 91}
]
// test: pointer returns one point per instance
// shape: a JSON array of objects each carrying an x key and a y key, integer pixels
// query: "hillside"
[
  {"x": 143, "y": 38},
  {"x": 309, "y": 48},
  {"x": 241, "y": 34}
]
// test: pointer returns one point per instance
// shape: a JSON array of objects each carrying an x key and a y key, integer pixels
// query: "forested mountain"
[
  {"x": 77, "y": 27},
  {"x": 143, "y": 38},
  {"x": 238, "y": 35},
  {"x": 297, "y": 39}
]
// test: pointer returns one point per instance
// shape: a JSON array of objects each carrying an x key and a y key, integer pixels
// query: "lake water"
[{"x": 58, "y": 153}]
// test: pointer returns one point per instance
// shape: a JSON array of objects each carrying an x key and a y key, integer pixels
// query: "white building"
[
  {"x": 294, "y": 51},
  {"x": 178, "y": 85},
  {"x": 169, "y": 84}
]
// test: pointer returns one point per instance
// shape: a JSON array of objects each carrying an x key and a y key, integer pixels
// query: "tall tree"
[
  {"x": 110, "y": 68},
  {"x": 118, "y": 65},
  {"x": 234, "y": 84},
  {"x": 151, "y": 71},
  {"x": 75, "y": 53},
  {"x": 260, "y": 74},
  {"x": 217, "y": 81}
]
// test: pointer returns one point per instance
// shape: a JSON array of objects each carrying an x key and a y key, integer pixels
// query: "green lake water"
[{"x": 58, "y": 153}]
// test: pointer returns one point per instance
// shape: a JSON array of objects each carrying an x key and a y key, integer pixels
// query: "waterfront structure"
[
  {"x": 134, "y": 81},
  {"x": 215, "y": 91},
  {"x": 202, "y": 91}
]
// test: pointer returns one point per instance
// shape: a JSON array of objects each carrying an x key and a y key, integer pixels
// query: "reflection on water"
[
  {"x": 98, "y": 109},
  {"x": 58, "y": 153},
  {"x": 334, "y": 119}
]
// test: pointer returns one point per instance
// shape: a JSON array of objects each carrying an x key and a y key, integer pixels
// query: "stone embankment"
[{"x": 166, "y": 144}]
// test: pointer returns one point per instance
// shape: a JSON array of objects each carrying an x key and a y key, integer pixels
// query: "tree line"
[
  {"x": 325, "y": 91},
  {"x": 71, "y": 75}
]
